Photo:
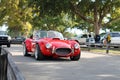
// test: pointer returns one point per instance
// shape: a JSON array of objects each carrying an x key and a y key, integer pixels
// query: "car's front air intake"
[{"x": 63, "y": 51}]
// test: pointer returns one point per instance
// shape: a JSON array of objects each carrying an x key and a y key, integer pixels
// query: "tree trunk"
[
  {"x": 96, "y": 20},
  {"x": 96, "y": 28}
]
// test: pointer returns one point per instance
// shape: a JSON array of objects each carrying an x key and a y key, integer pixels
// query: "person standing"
[
  {"x": 108, "y": 41},
  {"x": 97, "y": 38}
]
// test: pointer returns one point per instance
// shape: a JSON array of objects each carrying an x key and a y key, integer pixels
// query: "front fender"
[
  {"x": 76, "y": 51},
  {"x": 44, "y": 50},
  {"x": 28, "y": 43}
]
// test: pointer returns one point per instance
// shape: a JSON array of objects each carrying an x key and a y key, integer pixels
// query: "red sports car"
[{"x": 44, "y": 44}]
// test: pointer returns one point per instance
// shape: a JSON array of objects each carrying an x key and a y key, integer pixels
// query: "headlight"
[
  {"x": 77, "y": 46},
  {"x": 9, "y": 38},
  {"x": 48, "y": 45}
]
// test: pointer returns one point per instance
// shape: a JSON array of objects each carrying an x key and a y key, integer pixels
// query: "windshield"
[
  {"x": 49, "y": 34},
  {"x": 84, "y": 36},
  {"x": 54, "y": 34},
  {"x": 3, "y": 33},
  {"x": 115, "y": 35}
]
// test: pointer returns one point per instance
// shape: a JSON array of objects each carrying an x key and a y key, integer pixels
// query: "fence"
[
  {"x": 88, "y": 47},
  {"x": 8, "y": 69},
  {"x": 3, "y": 66}
]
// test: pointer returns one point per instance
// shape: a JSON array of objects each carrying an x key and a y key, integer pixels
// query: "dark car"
[
  {"x": 5, "y": 39},
  {"x": 18, "y": 40}
]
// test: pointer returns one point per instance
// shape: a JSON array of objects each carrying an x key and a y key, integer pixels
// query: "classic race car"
[{"x": 43, "y": 44}]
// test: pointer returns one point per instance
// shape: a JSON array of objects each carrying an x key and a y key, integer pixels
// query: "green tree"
[
  {"x": 91, "y": 11},
  {"x": 15, "y": 14},
  {"x": 114, "y": 26},
  {"x": 59, "y": 22},
  {"x": 47, "y": 19}
]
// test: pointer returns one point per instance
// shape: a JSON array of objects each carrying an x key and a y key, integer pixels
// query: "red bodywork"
[
  {"x": 56, "y": 43},
  {"x": 58, "y": 48}
]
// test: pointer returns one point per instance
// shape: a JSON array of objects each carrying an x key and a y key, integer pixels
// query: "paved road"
[{"x": 89, "y": 67}]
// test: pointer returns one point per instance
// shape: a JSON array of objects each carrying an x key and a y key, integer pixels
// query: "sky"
[
  {"x": 80, "y": 32},
  {"x": 4, "y": 28},
  {"x": 75, "y": 31}
]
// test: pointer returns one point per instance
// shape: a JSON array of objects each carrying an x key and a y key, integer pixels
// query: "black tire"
[
  {"x": 77, "y": 41},
  {"x": 38, "y": 53},
  {"x": 8, "y": 45},
  {"x": 116, "y": 47},
  {"x": 75, "y": 58},
  {"x": 92, "y": 45},
  {"x": 25, "y": 52}
]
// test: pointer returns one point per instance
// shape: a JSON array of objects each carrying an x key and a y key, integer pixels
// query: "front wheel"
[
  {"x": 75, "y": 58},
  {"x": 8, "y": 45},
  {"x": 38, "y": 53}
]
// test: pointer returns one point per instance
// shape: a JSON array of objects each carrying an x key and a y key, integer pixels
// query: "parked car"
[
  {"x": 5, "y": 39},
  {"x": 44, "y": 44},
  {"x": 90, "y": 41},
  {"x": 18, "y": 40},
  {"x": 115, "y": 39},
  {"x": 102, "y": 36},
  {"x": 85, "y": 39}
]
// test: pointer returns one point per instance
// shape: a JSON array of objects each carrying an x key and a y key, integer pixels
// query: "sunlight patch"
[{"x": 106, "y": 75}]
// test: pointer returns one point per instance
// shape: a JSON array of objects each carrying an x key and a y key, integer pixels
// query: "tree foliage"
[
  {"x": 60, "y": 14},
  {"x": 91, "y": 11},
  {"x": 15, "y": 14}
]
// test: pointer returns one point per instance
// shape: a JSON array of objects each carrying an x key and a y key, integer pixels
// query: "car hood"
[
  {"x": 3, "y": 35},
  {"x": 60, "y": 43}
]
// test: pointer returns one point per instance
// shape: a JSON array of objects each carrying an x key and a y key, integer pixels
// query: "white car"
[
  {"x": 86, "y": 40},
  {"x": 115, "y": 38},
  {"x": 83, "y": 38}
]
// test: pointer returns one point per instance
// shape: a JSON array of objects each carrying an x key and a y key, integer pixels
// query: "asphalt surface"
[{"x": 91, "y": 66}]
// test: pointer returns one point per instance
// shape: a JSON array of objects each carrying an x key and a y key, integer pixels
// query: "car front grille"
[
  {"x": 63, "y": 51},
  {"x": 3, "y": 38}
]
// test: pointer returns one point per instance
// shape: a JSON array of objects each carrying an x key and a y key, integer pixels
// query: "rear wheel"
[
  {"x": 38, "y": 53},
  {"x": 75, "y": 58},
  {"x": 25, "y": 52}
]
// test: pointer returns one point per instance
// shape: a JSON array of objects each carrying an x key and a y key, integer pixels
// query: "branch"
[
  {"x": 103, "y": 11},
  {"x": 78, "y": 12},
  {"x": 112, "y": 20}
]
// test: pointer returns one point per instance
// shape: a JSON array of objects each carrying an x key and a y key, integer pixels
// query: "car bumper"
[
  {"x": 4, "y": 42},
  {"x": 16, "y": 42}
]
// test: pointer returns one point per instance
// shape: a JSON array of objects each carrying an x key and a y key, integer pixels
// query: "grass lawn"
[{"x": 102, "y": 50}]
